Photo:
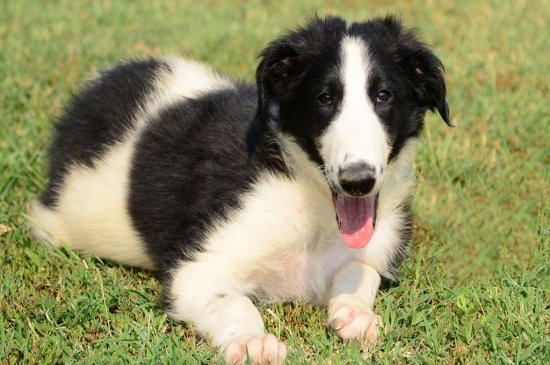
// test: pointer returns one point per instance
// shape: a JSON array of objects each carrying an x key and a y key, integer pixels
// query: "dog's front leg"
[
  {"x": 214, "y": 302},
  {"x": 351, "y": 299}
]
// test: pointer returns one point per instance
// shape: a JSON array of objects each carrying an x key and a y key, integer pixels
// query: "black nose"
[{"x": 357, "y": 178}]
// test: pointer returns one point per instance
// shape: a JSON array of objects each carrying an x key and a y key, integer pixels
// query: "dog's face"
[{"x": 351, "y": 95}]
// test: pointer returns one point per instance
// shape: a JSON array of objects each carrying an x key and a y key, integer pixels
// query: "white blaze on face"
[{"x": 356, "y": 134}]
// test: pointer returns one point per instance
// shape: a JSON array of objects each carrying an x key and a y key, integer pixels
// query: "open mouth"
[{"x": 356, "y": 218}]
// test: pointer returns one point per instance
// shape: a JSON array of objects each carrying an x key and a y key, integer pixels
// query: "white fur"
[
  {"x": 356, "y": 135},
  {"x": 91, "y": 214},
  {"x": 398, "y": 184}
]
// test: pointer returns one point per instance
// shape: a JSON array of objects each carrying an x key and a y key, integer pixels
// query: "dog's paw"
[
  {"x": 352, "y": 322},
  {"x": 257, "y": 349}
]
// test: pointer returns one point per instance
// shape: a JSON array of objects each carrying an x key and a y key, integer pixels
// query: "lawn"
[{"x": 476, "y": 287}]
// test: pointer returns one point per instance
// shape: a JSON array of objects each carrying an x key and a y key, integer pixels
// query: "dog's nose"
[{"x": 357, "y": 179}]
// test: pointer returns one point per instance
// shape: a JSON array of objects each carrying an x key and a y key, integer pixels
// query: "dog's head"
[{"x": 351, "y": 95}]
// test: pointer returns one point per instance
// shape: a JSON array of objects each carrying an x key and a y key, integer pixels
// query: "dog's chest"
[{"x": 275, "y": 243}]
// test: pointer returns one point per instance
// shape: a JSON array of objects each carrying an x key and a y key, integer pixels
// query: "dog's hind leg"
[{"x": 214, "y": 302}]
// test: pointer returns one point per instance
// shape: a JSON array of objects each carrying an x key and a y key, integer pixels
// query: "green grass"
[{"x": 476, "y": 286}]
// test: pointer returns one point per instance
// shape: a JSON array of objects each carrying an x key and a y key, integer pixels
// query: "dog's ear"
[
  {"x": 285, "y": 62},
  {"x": 280, "y": 69},
  {"x": 421, "y": 67},
  {"x": 425, "y": 71}
]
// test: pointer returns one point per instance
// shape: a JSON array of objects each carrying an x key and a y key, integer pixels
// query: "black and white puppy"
[{"x": 298, "y": 188}]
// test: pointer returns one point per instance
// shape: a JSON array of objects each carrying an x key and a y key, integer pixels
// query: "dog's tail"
[{"x": 46, "y": 224}]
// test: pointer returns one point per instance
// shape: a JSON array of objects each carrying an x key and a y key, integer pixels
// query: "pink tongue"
[{"x": 357, "y": 219}]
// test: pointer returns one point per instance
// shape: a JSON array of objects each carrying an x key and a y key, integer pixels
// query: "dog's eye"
[
  {"x": 383, "y": 96},
  {"x": 325, "y": 99}
]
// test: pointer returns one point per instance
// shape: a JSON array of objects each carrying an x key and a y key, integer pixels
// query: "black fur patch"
[
  {"x": 191, "y": 166},
  {"x": 405, "y": 238},
  {"x": 293, "y": 72},
  {"x": 97, "y": 117}
]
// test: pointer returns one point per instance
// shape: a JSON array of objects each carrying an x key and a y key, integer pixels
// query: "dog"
[{"x": 296, "y": 188}]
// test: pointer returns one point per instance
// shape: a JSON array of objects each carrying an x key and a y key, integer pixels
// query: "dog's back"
[{"x": 86, "y": 203}]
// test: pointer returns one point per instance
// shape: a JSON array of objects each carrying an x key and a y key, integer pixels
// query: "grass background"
[{"x": 476, "y": 286}]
